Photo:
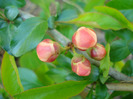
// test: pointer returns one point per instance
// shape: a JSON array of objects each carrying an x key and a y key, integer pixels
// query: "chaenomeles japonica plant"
[{"x": 70, "y": 49}]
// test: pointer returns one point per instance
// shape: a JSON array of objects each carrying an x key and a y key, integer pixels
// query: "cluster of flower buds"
[
  {"x": 83, "y": 39},
  {"x": 86, "y": 39}
]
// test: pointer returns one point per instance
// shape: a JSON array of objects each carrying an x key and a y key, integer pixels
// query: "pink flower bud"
[
  {"x": 98, "y": 52},
  {"x": 81, "y": 66},
  {"x": 84, "y": 38},
  {"x": 48, "y": 50}
]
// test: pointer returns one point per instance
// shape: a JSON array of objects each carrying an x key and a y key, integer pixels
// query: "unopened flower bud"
[
  {"x": 84, "y": 38},
  {"x": 81, "y": 66},
  {"x": 98, "y": 52},
  {"x": 48, "y": 50}
]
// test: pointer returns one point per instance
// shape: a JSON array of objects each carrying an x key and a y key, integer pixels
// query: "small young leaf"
[
  {"x": 11, "y": 12},
  {"x": 105, "y": 62},
  {"x": 58, "y": 91},
  {"x": 119, "y": 50},
  {"x": 28, "y": 35},
  {"x": 10, "y": 76},
  {"x": 101, "y": 91}
]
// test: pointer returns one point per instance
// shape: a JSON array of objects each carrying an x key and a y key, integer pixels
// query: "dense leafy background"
[{"x": 24, "y": 76}]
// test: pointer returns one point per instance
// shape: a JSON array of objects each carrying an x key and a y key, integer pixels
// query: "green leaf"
[
  {"x": 130, "y": 46},
  {"x": 58, "y": 91},
  {"x": 121, "y": 4},
  {"x": 67, "y": 30},
  {"x": 64, "y": 62},
  {"x": 105, "y": 62},
  {"x": 96, "y": 20},
  {"x": 28, "y": 35},
  {"x": 119, "y": 50},
  {"x": 58, "y": 75},
  {"x": 6, "y": 34},
  {"x": 10, "y": 76},
  {"x": 67, "y": 15},
  {"x": 30, "y": 60},
  {"x": 17, "y": 3},
  {"x": 92, "y": 3},
  {"x": 101, "y": 91},
  {"x": 119, "y": 65},
  {"x": 43, "y": 77},
  {"x": 3, "y": 23},
  {"x": 90, "y": 94},
  {"x": 103, "y": 79},
  {"x": 94, "y": 74},
  {"x": 116, "y": 15},
  {"x": 128, "y": 68},
  {"x": 125, "y": 34},
  {"x": 128, "y": 14},
  {"x": 11, "y": 12},
  {"x": 109, "y": 36},
  {"x": 29, "y": 79}
]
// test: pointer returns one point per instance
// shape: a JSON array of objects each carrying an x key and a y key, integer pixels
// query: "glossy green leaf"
[
  {"x": 103, "y": 79},
  {"x": 116, "y": 15},
  {"x": 124, "y": 34},
  {"x": 119, "y": 50},
  {"x": 92, "y": 3},
  {"x": 94, "y": 74},
  {"x": 128, "y": 68},
  {"x": 11, "y": 12},
  {"x": 17, "y": 3},
  {"x": 28, "y": 35},
  {"x": 64, "y": 62},
  {"x": 58, "y": 91},
  {"x": 101, "y": 91},
  {"x": 121, "y": 4},
  {"x": 6, "y": 34},
  {"x": 30, "y": 60},
  {"x": 29, "y": 79},
  {"x": 67, "y": 30},
  {"x": 10, "y": 75},
  {"x": 67, "y": 15},
  {"x": 97, "y": 20},
  {"x": 3, "y": 23},
  {"x": 130, "y": 46},
  {"x": 128, "y": 14},
  {"x": 43, "y": 77},
  {"x": 105, "y": 62},
  {"x": 109, "y": 36},
  {"x": 57, "y": 74}
]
